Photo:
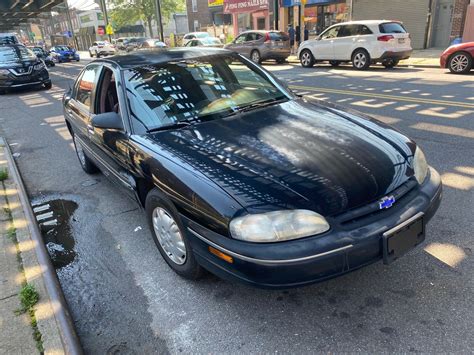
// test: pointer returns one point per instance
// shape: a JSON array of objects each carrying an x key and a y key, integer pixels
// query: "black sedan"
[
  {"x": 241, "y": 177},
  {"x": 19, "y": 67},
  {"x": 43, "y": 55}
]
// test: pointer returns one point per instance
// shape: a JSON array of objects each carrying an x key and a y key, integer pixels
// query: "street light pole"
[{"x": 159, "y": 21}]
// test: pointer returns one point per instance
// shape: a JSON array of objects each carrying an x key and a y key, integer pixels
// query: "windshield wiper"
[
  {"x": 175, "y": 125},
  {"x": 260, "y": 104}
]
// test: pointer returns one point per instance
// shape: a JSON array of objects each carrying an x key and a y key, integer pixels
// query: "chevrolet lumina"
[{"x": 240, "y": 176}]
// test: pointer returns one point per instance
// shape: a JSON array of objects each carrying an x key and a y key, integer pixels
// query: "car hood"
[
  {"x": 296, "y": 155},
  {"x": 23, "y": 63}
]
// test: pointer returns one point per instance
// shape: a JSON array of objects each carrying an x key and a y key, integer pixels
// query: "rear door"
[
  {"x": 238, "y": 44},
  {"x": 252, "y": 41},
  {"x": 394, "y": 37},
  {"x": 78, "y": 108}
]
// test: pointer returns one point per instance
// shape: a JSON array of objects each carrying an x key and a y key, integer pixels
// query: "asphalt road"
[{"x": 124, "y": 298}]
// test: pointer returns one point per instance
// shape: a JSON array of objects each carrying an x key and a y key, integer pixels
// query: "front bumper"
[
  {"x": 313, "y": 259},
  {"x": 398, "y": 55},
  {"x": 35, "y": 78}
]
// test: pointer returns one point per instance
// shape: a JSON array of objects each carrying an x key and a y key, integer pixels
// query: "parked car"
[
  {"x": 43, "y": 55},
  {"x": 239, "y": 176},
  {"x": 262, "y": 45},
  {"x": 101, "y": 48},
  {"x": 205, "y": 42},
  {"x": 153, "y": 43},
  {"x": 9, "y": 38},
  {"x": 64, "y": 54},
  {"x": 189, "y": 36},
  {"x": 20, "y": 67},
  {"x": 361, "y": 42},
  {"x": 458, "y": 58},
  {"x": 122, "y": 43}
]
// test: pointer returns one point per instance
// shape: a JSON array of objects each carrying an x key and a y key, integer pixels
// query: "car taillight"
[{"x": 385, "y": 38}]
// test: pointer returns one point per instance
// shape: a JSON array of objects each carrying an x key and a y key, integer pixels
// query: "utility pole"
[
  {"x": 103, "y": 7},
  {"x": 68, "y": 16},
  {"x": 159, "y": 21},
  {"x": 276, "y": 14}
]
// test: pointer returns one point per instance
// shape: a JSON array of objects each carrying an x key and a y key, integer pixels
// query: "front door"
[
  {"x": 110, "y": 146},
  {"x": 324, "y": 46},
  {"x": 443, "y": 22}
]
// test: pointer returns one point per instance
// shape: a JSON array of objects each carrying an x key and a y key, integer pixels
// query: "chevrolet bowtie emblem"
[{"x": 386, "y": 202}]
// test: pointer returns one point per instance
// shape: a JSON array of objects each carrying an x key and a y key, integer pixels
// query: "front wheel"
[
  {"x": 306, "y": 59},
  {"x": 86, "y": 164},
  {"x": 97, "y": 54},
  {"x": 361, "y": 59},
  {"x": 255, "y": 57},
  {"x": 390, "y": 63},
  {"x": 460, "y": 63},
  {"x": 48, "y": 85},
  {"x": 169, "y": 235}
]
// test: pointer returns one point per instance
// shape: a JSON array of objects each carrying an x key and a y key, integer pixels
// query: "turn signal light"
[{"x": 221, "y": 255}]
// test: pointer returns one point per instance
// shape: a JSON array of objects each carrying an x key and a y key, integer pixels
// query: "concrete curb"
[{"x": 53, "y": 318}]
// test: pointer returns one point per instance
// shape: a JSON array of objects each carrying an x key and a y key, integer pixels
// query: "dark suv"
[{"x": 20, "y": 67}]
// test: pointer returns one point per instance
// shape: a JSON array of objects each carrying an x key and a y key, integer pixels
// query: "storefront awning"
[
  {"x": 289, "y": 3},
  {"x": 243, "y": 6}
]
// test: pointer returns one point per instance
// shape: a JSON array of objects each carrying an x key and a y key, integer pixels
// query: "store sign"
[
  {"x": 242, "y": 6},
  {"x": 212, "y": 3}
]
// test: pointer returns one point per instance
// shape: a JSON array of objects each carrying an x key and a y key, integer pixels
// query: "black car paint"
[
  {"x": 298, "y": 154},
  {"x": 29, "y": 75}
]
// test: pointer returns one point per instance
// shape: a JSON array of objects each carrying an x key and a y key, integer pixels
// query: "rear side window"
[
  {"x": 392, "y": 27},
  {"x": 252, "y": 36},
  {"x": 364, "y": 30},
  {"x": 86, "y": 85},
  {"x": 279, "y": 36}
]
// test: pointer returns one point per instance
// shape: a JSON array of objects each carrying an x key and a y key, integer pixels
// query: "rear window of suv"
[
  {"x": 279, "y": 36},
  {"x": 392, "y": 27}
]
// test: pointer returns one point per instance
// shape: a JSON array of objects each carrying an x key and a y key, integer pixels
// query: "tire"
[
  {"x": 334, "y": 63},
  {"x": 460, "y": 63},
  {"x": 255, "y": 56},
  {"x": 390, "y": 63},
  {"x": 86, "y": 164},
  {"x": 306, "y": 58},
  {"x": 162, "y": 215},
  {"x": 97, "y": 54},
  {"x": 360, "y": 59},
  {"x": 91, "y": 55},
  {"x": 48, "y": 85}
]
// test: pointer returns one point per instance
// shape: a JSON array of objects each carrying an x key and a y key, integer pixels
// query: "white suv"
[
  {"x": 101, "y": 48},
  {"x": 360, "y": 42}
]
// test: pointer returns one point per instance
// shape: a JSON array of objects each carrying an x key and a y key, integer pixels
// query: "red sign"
[
  {"x": 241, "y": 6},
  {"x": 101, "y": 30}
]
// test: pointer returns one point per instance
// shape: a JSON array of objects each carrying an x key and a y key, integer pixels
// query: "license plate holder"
[
  {"x": 402, "y": 238},
  {"x": 401, "y": 40}
]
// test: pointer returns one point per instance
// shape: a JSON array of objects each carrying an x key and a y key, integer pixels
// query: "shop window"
[{"x": 194, "y": 5}]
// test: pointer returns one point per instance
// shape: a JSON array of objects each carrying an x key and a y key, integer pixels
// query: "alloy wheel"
[
  {"x": 459, "y": 63},
  {"x": 169, "y": 236},
  {"x": 255, "y": 57},
  {"x": 306, "y": 59},
  {"x": 360, "y": 59}
]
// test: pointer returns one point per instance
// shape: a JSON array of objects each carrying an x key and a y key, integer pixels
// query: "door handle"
[{"x": 90, "y": 128}]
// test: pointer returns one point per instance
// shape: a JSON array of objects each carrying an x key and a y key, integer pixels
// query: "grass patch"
[
  {"x": 3, "y": 174},
  {"x": 11, "y": 233},
  {"x": 28, "y": 297}
]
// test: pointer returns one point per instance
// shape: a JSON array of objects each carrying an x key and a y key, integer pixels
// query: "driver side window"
[
  {"x": 331, "y": 33},
  {"x": 106, "y": 97}
]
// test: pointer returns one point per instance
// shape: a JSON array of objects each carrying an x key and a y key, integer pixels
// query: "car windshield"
[
  {"x": 62, "y": 48},
  {"x": 211, "y": 41},
  {"x": 196, "y": 90},
  {"x": 13, "y": 55}
]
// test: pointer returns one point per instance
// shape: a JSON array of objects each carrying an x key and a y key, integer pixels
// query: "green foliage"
[
  {"x": 126, "y": 12},
  {"x": 11, "y": 233},
  {"x": 3, "y": 174},
  {"x": 28, "y": 297}
]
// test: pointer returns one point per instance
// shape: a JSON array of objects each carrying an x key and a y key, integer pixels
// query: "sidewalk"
[
  {"x": 423, "y": 58},
  {"x": 23, "y": 274}
]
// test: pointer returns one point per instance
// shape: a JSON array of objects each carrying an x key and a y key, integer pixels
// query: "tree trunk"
[{"x": 148, "y": 20}]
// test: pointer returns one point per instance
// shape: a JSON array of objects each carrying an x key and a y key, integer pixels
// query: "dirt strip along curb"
[{"x": 68, "y": 334}]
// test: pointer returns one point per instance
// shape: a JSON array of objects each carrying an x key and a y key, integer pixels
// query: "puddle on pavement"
[{"x": 54, "y": 219}]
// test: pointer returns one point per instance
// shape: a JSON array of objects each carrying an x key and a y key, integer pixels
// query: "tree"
[{"x": 128, "y": 12}]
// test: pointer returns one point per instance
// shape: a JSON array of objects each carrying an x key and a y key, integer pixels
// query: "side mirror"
[{"x": 108, "y": 120}]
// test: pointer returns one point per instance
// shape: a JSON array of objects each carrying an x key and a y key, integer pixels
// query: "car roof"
[
  {"x": 366, "y": 22},
  {"x": 137, "y": 59}
]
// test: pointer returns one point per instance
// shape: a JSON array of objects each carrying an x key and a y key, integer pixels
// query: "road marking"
[{"x": 385, "y": 97}]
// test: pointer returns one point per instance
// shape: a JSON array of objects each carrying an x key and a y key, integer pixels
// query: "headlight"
[
  {"x": 39, "y": 66},
  {"x": 420, "y": 165},
  {"x": 278, "y": 226}
]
